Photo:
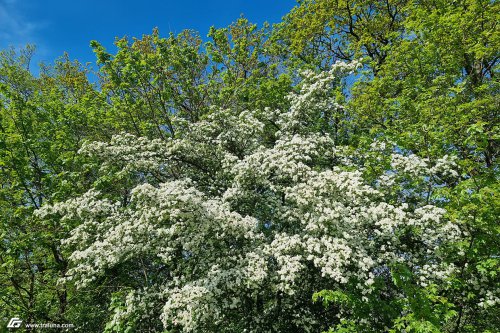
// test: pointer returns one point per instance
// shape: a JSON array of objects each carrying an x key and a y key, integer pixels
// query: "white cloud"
[{"x": 15, "y": 29}]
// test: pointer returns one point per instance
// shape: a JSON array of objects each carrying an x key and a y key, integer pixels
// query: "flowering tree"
[{"x": 234, "y": 224}]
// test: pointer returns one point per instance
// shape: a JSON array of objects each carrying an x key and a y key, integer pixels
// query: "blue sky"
[{"x": 56, "y": 26}]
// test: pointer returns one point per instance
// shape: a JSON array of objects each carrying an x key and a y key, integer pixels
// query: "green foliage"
[
  {"x": 320, "y": 32},
  {"x": 431, "y": 85},
  {"x": 42, "y": 124}
]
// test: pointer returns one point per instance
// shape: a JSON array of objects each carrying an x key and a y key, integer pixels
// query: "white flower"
[{"x": 238, "y": 225}]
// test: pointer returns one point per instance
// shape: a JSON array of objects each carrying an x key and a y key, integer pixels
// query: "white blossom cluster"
[
  {"x": 242, "y": 232},
  {"x": 314, "y": 98}
]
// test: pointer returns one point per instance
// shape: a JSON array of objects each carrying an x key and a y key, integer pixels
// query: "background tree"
[
  {"x": 239, "y": 147},
  {"x": 437, "y": 93},
  {"x": 43, "y": 122},
  {"x": 320, "y": 32}
]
